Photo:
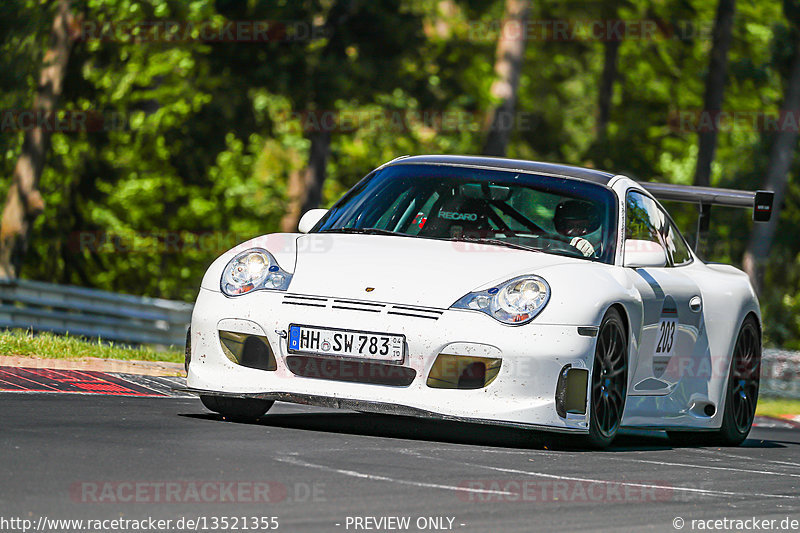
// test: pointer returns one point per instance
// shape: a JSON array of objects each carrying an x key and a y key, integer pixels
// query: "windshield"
[{"x": 498, "y": 207}]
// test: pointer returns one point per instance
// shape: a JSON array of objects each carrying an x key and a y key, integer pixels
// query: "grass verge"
[
  {"x": 50, "y": 346},
  {"x": 777, "y": 407}
]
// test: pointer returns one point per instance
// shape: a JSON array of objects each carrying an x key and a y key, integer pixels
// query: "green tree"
[{"x": 24, "y": 202}]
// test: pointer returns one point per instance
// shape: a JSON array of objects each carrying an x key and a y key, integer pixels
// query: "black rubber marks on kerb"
[{"x": 13, "y": 379}]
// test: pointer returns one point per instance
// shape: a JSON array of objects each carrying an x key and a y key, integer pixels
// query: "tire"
[
  {"x": 741, "y": 394},
  {"x": 187, "y": 352},
  {"x": 609, "y": 383},
  {"x": 237, "y": 409}
]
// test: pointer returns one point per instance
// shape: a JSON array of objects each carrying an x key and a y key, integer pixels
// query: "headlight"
[
  {"x": 253, "y": 270},
  {"x": 516, "y": 301}
]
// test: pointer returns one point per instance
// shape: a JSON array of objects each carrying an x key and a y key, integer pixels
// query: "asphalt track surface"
[{"x": 69, "y": 456}]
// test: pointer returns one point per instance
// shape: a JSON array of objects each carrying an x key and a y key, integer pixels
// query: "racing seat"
[{"x": 454, "y": 212}]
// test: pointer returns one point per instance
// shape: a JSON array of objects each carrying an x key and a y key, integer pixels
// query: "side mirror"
[
  {"x": 642, "y": 254},
  {"x": 310, "y": 219}
]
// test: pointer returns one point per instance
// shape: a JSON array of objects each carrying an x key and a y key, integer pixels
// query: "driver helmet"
[{"x": 576, "y": 218}]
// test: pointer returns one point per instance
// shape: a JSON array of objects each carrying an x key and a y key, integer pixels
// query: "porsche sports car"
[{"x": 488, "y": 290}]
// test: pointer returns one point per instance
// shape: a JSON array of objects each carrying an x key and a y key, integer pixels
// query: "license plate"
[{"x": 346, "y": 343}]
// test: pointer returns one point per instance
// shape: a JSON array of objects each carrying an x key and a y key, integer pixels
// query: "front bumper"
[{"x": 522, "y": 395}]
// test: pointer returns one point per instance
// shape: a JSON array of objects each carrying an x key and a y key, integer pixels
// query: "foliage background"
[{"x": 204, "y": 135}]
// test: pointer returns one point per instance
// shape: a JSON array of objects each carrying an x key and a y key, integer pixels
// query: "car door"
[{"x": 670, "y": 299}]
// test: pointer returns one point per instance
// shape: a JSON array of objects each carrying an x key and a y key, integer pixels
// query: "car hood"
[{"x": 406, "y": 270}]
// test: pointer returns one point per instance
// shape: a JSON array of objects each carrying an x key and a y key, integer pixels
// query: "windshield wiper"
[
  {"x": 498, "y": 242},
  {"x": 378, "y": 231},
  {"x": 365, "y": 231}
]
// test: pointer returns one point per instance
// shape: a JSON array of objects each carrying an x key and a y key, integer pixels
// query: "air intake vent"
[
  {"x": 305, "y": 300},
  {"x": 362, "y": 306},
  {"x": 571, "y": 391},
  {"x": 354, "y": 305},
  {"x": 353, "y": 371},
  {"x": 252, "y": 351},
  {"x": 417, "y": 312},
  {"x": 463, "y": 372}
]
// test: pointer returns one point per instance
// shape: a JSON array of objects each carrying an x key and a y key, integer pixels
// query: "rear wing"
[{"x": 760, "y": 201}]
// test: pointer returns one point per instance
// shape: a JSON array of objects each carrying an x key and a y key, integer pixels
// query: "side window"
[
  {"x": 645, "y": 221},
  {"x": 676, "y": 246}
]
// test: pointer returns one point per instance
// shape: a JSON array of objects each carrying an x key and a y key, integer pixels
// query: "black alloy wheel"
[{"x": 609, "y": 380}]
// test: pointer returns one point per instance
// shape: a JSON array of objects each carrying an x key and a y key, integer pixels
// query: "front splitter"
[{"x": 368, "y": 406}]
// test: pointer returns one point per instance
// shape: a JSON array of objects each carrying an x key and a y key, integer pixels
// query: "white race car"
[{"x": 488, "y": 290}]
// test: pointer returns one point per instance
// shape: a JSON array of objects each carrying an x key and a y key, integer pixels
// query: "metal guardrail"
[
  {"x": 83, "y": 312},
  {"x": 780, "y": 374}
]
